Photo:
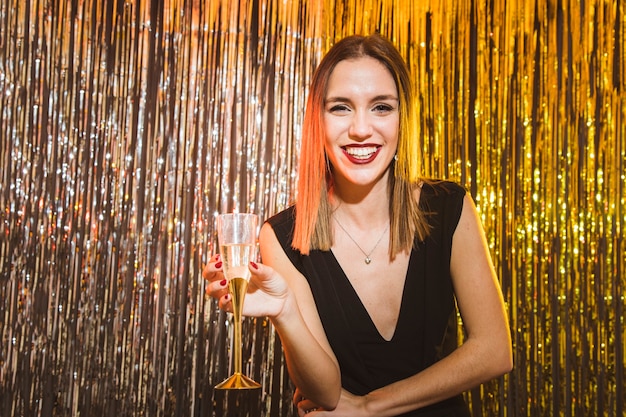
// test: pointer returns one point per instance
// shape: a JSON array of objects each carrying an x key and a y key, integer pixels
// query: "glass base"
[{"x": 238, "y": 381}]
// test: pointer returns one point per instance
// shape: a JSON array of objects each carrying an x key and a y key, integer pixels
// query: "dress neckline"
[{"x": 359, "y": 303}]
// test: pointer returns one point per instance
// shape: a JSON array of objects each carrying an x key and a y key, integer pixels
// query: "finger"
[
  {"x": 306, "y": 410},
  {"x": 307, "y": 406},
  {"x": 263, "y": 276},
  {"x": 213, "y": 270},
  {"x": 218, "y": 288},
  {"x": 301, "y": 411},
  {"x": 226, "y": 302},
  {"x": 303, "y": 405},
  {"x": 256, "y": 270}
]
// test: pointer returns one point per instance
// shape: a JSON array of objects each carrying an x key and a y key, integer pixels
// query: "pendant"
[{"x": 368, "y": 260}]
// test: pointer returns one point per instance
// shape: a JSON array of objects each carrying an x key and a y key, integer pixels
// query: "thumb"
[
  {"x": 261, "y": 271},
  {"x": 266, "y": 277}
]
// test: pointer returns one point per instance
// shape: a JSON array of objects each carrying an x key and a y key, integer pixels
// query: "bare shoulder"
[
  {"x": 471, "y": 258},
  {"x": 267, "y": 235},
  {"x": 273, "y": 254},
  {"x": 470, "y": 226}
]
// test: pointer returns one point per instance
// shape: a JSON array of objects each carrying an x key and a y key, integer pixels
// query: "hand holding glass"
[{"x": 237, "y": 236}]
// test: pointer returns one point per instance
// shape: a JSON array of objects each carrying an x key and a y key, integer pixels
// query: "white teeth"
[{"x": 360, "y": 152}]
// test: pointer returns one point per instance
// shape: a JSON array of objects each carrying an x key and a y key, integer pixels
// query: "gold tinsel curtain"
[{"x": 126, "y": 125}]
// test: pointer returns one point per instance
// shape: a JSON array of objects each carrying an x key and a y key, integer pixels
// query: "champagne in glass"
[{"x": 237, "y": 235}]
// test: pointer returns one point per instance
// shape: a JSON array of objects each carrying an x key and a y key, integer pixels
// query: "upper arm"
[
  {"x": 272, "y": 254},
  {"x": 475, "y": 282}
]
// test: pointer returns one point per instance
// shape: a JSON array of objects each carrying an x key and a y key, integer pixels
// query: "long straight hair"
[{"x": 313, "y": 209}]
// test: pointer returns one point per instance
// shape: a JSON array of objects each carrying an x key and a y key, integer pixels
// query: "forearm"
[
  {"x": 470, "y": 365},
  {"x": 310, "y": 367}
]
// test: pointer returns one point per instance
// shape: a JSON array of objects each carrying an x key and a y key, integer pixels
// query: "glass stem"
[
  {"x": 237, "y": 339},
  {"x": 237, "y": 287}
]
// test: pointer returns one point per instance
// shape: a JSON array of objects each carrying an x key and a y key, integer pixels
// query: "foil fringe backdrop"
[{"x": 125, "y": 126}]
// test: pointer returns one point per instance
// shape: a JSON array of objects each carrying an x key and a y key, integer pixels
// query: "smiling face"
[{"x": 361, "y": 121}]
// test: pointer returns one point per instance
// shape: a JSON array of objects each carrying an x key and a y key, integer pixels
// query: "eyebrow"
[{"x": 382, "y": 97}]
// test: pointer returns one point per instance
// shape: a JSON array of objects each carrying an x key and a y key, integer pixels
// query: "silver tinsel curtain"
[{"x": 125, "y": 126}]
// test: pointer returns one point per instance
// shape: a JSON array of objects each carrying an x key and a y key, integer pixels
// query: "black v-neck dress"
[{"x": 426, "y": 329}]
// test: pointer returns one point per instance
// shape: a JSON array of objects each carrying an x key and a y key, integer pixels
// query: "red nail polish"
[
  {"x": 223, "y": 282},
  {"x": 254, "y": 265},
  {"x": 218, "y": 265}
]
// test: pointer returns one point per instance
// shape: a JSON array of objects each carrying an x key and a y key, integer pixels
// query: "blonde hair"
[{"x": 313, "y": 209}]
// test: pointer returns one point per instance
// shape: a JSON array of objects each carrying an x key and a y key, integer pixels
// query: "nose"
[{"x": 360, "y": 126}]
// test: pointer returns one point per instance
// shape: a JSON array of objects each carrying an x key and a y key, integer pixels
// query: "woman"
[{"x": 362, "y": 277}]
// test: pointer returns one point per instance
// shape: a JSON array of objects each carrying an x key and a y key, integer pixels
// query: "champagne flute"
[{"x": 237, "y": 237}]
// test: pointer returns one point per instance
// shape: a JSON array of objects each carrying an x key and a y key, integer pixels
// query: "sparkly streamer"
[{"x": 125, "y": 126}]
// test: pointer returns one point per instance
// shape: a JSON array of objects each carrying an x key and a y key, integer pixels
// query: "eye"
[
  {"x": 338, "y": 108},
  {"x": 383, "y": 108}
]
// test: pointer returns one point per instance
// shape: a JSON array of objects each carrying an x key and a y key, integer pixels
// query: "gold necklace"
[{"x": 368, "y": 260}]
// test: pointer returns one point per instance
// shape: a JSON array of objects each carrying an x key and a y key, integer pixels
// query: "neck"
[{"x": 371, "y": 213}]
